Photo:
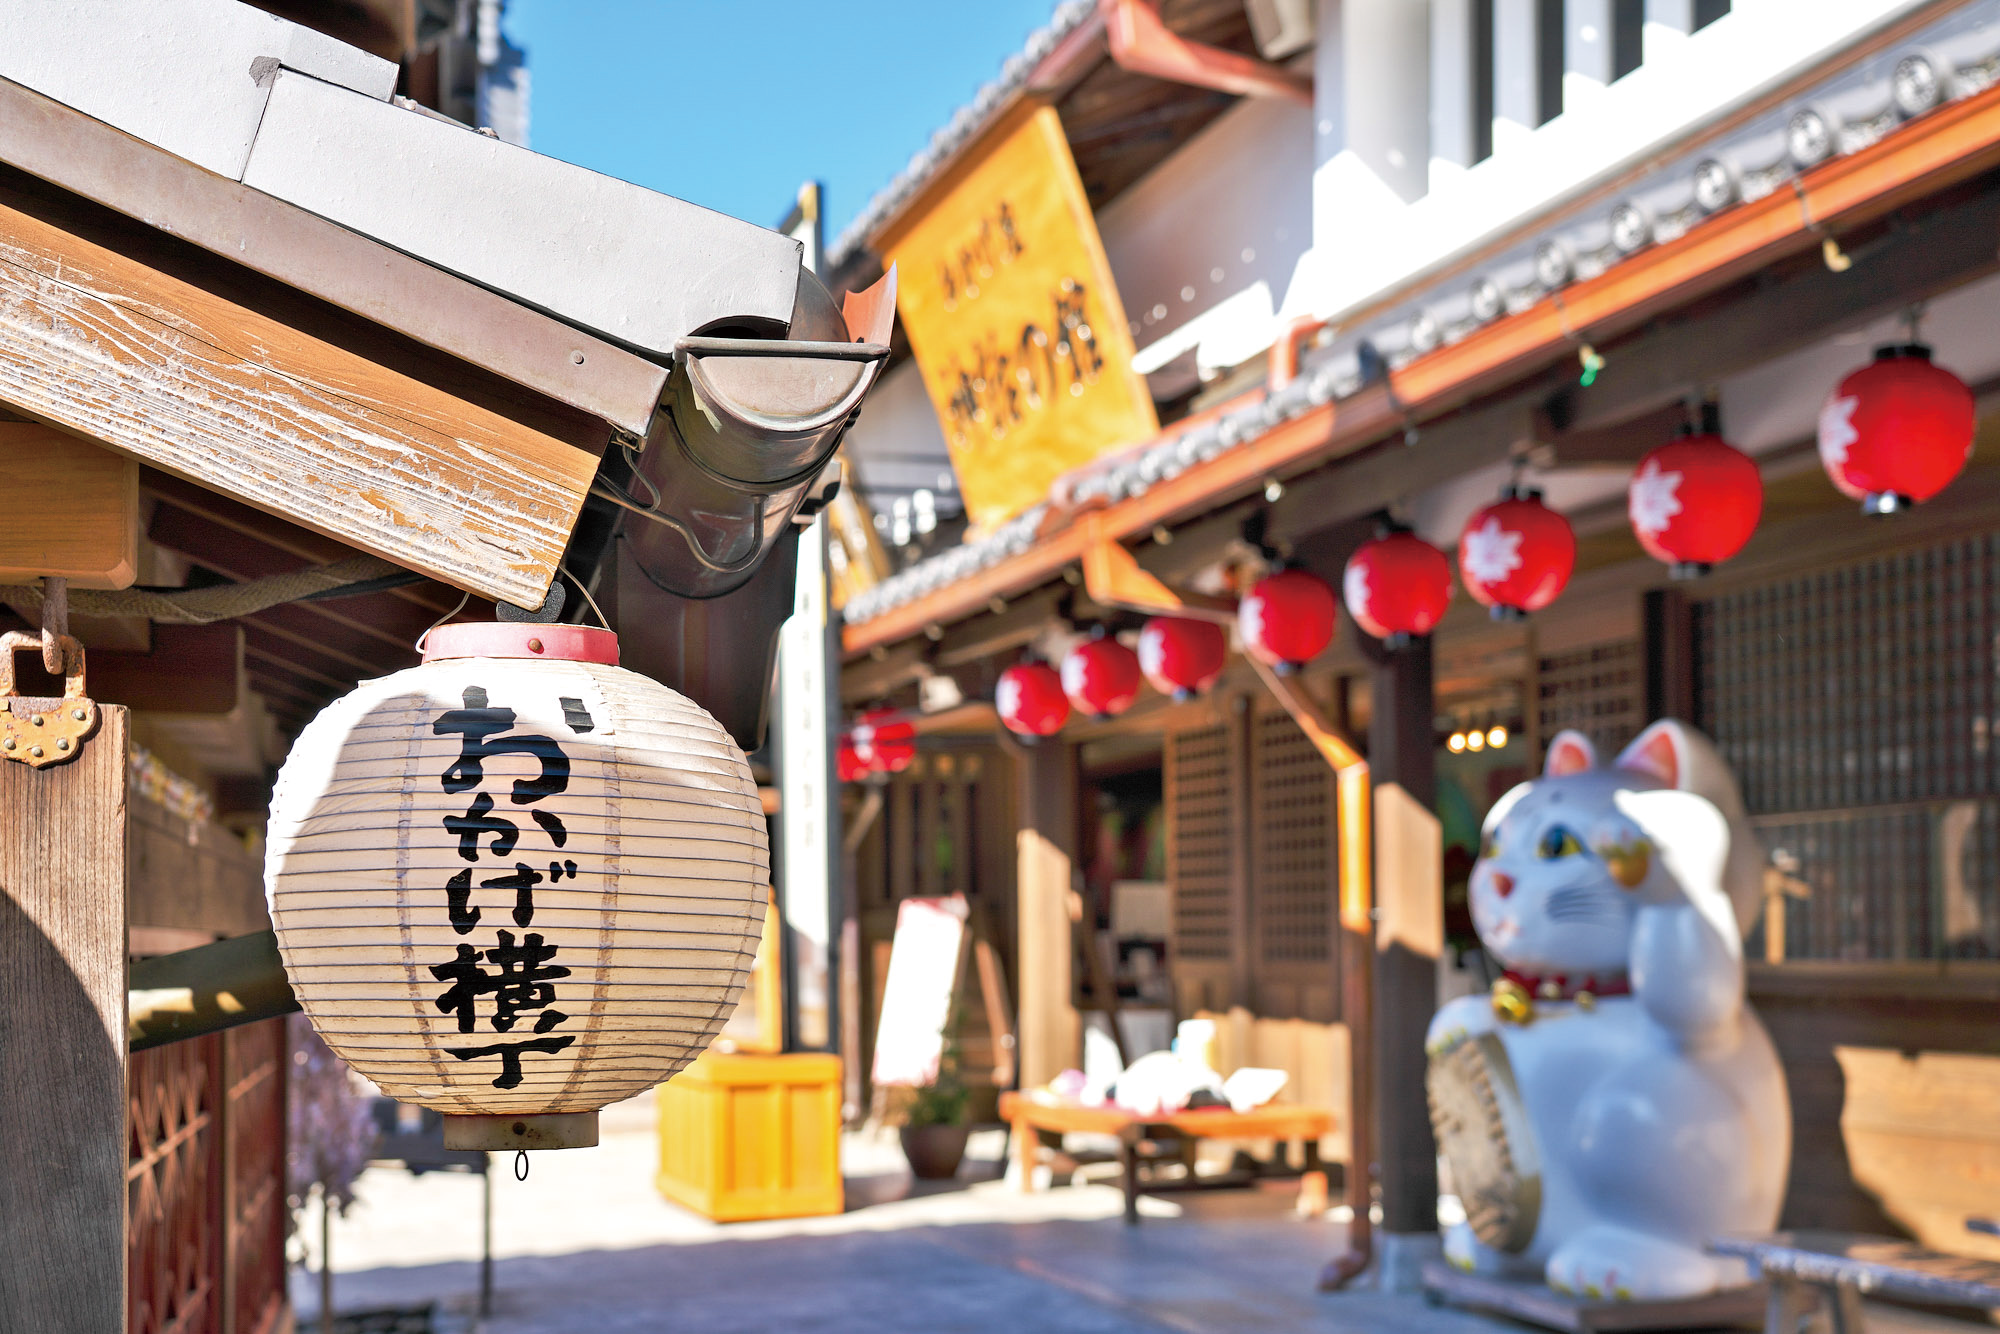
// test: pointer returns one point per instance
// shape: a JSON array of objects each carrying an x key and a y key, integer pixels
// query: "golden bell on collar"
[{"x": 1512, "y": 1004}]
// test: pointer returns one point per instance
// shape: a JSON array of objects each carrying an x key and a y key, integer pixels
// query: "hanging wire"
[
  {"x": 1913, "y": 318},
  {"x": 463, "y": 598},
  {"x": 586, "y": 595}
]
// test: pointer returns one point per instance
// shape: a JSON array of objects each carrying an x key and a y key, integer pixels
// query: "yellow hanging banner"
[{"x": 1016, "y": 325}]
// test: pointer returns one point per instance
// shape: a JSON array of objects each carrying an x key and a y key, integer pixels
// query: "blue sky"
[{"x": 734, "y": 103}]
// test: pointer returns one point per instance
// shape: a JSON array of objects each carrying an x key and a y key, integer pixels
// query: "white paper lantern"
[{"x": 517, "y": 883}]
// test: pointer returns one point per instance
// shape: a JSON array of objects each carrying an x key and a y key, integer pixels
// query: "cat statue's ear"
[
  {"x": 1676, "y": 756},
  {"x": 1570, "y": 753}
]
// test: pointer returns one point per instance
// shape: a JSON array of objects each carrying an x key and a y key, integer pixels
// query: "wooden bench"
[
  {"x": 1029, "y": 1112},
  {"x": 1846, "y": 1267}
]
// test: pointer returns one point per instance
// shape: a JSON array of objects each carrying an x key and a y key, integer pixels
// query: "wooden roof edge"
[
  {"x": 284, "y": 242},
  {"x": 1948, "y": 146}
]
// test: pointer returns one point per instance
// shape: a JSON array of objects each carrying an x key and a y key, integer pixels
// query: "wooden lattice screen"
[
  {"x": 1857, "y": 707},
  {"x": 1292, "y": 851},
  {"x": 1598, "y": 690},
  {"x": 205, "y": 1212},
  {"x": 1281, "y": 860},
  {"x": 1198, "y": 843}
]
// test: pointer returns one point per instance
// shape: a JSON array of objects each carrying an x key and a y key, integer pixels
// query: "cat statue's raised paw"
[{"x": 1614, "y": 1103}]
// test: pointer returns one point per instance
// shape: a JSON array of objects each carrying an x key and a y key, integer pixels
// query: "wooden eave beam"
[
  {"x": 1944, "y": 148},
  {"x": 123, "y": 337},
  {"x": 304, "y": 251}
]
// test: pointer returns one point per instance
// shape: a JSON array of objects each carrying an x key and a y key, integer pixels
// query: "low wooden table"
[{"x": 1027, "y": 1113}]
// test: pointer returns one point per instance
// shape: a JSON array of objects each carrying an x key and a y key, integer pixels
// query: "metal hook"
[{"x": 520, "y": 1164}]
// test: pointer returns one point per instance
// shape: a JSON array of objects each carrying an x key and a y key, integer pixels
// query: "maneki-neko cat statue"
[{"x": 1614, "y": 1103}]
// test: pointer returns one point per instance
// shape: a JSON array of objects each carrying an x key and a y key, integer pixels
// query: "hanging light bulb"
[
  {"x": 1496, "y": 736},
  {"x": 1456, "y": 743}
]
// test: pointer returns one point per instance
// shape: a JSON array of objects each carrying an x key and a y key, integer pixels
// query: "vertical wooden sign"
[
  {"x": 1005, "y": 291},
  {"x": 62, "y": 1037}
]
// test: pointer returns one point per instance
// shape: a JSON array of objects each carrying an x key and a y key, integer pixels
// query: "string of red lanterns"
[
  {"x": 1287, "y": 618},
  {"x": 1180, "y": 656},
  {"x": 1516, "y": 554},
  {"x": 1898, "y": 431},
  {"x": 1893, "y": 434},
  {"x": 1694, "y": 502},
  {"x": 1396, "y": 586},
  {"x": 1101, "y": 676},
  {"x": 1030, "y": 700}
]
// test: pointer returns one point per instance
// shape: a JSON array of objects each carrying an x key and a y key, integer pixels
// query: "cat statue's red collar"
[{"x": 1515, "y": 994}]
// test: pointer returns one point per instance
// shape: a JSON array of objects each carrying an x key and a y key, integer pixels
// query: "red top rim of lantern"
[{"x": 521, "y": 639}]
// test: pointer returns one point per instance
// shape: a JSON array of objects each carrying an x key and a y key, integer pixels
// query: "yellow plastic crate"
[{"x": 746, "y": 1136}]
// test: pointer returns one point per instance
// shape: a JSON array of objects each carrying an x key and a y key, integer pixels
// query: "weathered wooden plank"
[
  {"x": 72, "y": 509},
  {"x": 62, "y": 1039},
  {"x": 224, "y": 395}
]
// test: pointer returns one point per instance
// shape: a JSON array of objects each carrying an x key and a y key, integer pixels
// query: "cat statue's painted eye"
[{"x": 1558, "y": 842}]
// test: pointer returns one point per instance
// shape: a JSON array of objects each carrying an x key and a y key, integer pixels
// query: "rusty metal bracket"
[{"x": 40, "y": 731}]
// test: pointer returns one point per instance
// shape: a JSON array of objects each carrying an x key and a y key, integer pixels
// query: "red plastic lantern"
[
  {"x": 847, "y": 762},
  {"x": 1396, "y": 586},
  {"x": 884, "y": 741},
  {"x": 1516, "y": 554},
  {"x": 1101, "y": 677},
  {"x": 1287, "y": 618},
  {"x": 1694, "y": 502},
  {"x": 1030, "y": 700},
  {"x": 1182, "y": 657},
  {"x": 1897, "y": 431}
]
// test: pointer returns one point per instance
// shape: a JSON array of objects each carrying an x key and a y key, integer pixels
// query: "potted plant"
[{"x": 934, "y": 1132}]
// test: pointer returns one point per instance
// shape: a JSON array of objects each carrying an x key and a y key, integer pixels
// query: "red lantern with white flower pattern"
[
  {"x": 847, "y": 762},
  {"x": 1897, "y": 431},
  {"x": 1516, "y": 555},
  {"x": 1030, "y": 700},
  {"x": 1287, "y": 618},
  {"x": 1101, "y": 676},
  {"x": 1182, "y": 657},
  {"x": 1694, "y": 502},
  {"x": 884, "y": 741},
  {"x": 1397, "y": 586}
]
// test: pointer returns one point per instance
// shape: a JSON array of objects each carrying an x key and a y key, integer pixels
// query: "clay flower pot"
[{"x": 935, "y": 1151}]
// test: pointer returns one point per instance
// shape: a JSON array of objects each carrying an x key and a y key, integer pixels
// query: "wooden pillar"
[
  {"x": 62, "y": 1038},
  {"x": 1409, "y": 936},
  {"x": 1046, "y": 851},
  {"x": 1668, "y": 643}
]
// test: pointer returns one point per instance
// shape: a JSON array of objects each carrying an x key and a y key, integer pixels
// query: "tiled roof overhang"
[{"x": 1203, "y": 464}]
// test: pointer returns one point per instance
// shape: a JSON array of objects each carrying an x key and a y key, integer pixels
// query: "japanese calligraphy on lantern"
[
  {"x": 518, "y": 976},
  {"x": 1017, "y": 328}
]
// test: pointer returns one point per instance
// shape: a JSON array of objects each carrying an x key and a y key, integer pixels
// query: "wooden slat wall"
[
  {"x": 1200, "y": 850},
  {"x": 190, "y": 876},
  {"x": 1596, "y": 689},
  {"x": 1292, "y": 854},
  {"x": 1252, "y": 867},
  {"x": 1855, "y": 701}
]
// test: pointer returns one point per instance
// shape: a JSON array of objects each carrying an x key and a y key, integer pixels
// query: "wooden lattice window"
[
  {"x": 1857, "y": 706},
  {"x": 1199, "y": 842},
  {"x": 1598, "y": 690},
  {"x": 205, "y": 1184},
  {"x": 1292, "y": 849}
]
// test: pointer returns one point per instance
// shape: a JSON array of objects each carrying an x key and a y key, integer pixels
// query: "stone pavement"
[{"x": 586, "y": 1246}]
